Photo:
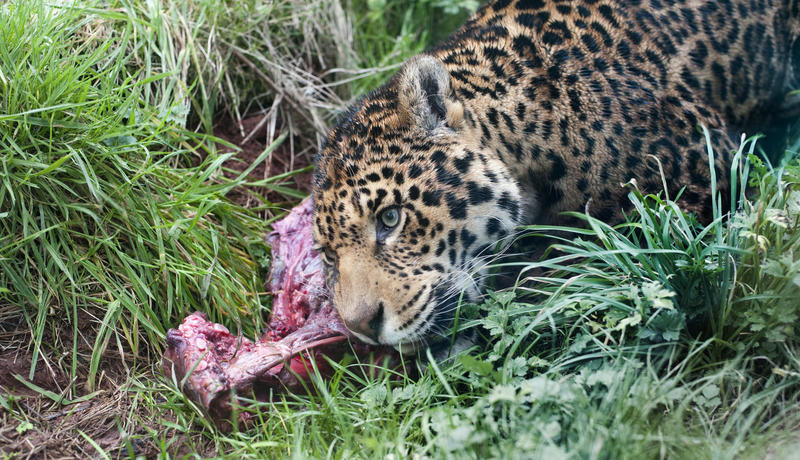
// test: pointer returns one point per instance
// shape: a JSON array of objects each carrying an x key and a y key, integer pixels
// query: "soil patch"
[
  {"x": 113, "y": 417},
  {"x": 253, "y": 135},
  {"x": 16, "y": 364}
]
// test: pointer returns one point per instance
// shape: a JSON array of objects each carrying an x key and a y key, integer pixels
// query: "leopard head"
[{"x": 407, "y": 205}]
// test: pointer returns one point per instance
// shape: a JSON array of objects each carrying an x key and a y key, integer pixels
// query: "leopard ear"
[{"x": 425, "y": 97}]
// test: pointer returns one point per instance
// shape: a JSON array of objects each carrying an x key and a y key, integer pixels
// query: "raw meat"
[{"x": 303, "y": 327}]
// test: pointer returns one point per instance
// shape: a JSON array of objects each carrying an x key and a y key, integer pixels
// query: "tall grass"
[
  {"x": 387, "y": 33},
  {"x": 106, "y": 225}
]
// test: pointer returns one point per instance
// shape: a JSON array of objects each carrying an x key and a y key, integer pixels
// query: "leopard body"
[{"x": 533, "y": 108}]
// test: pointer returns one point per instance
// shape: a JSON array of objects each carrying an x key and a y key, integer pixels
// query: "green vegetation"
[{"x": 660, "y": 337}]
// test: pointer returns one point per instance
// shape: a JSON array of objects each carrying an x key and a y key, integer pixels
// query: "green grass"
[
  {"x": 105, "y": 220},
  {"x": 659, "y": 337},
  {"x": 387, "y": 33}
]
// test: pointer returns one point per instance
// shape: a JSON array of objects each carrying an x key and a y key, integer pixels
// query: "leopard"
[{"x": 530, "y": 110}]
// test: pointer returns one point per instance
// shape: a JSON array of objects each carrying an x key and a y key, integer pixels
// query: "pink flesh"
[{"x": 303, "y": 327}]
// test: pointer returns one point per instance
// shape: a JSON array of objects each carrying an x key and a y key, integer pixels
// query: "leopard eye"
[
  {"x": 328, "y": 254},
  {"x": 388, "y": 220},
  {"x": 390, "y": 217}
]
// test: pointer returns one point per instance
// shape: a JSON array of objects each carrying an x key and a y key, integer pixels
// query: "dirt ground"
[
  {"x": 54, "y": 414},
  {"x": 252, "y": 137},
  {"x": 53, "y": 411},
  {"x": 51, "y": 429}
]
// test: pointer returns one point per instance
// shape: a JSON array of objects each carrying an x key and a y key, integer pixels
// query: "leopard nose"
[{"x": 367, "y": 325}]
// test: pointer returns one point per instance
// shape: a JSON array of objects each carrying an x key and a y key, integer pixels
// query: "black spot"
[
  {"x": 438, "y": 156},
  {"x": 552, "y": 38},
  {"x": 624, "y": 49},
  {"x": 505, "y": 202},
  {"x": 440, "y": 247},
  {"x": 500, "y": 4},
  {"x": 690, "y": 79},
  {"x": 432, "y": 198},
  {"x": 462, "y": 164},
  {"x": 467, "y": 238},
  {"x": 509, "y": 122},
  {"x": 526, "y": 20},
  {"x": 380, "y": 195},
  {"x": 479, "y": 194},
  {"x": 607, "y": 13},
  {"x": 413, "y": 192},
  {"x": 456, "y": 206},
  {"x": 494, "y": 53},
  {"x": 560, "y": 30},
  {"x": 634, "y": 36},
  {"x": 444, "y": 176},
  {"x": 486, "y": 132},
  {"x": 520, "y": 111},
  {"x": 414, "y": 171},
  {"x": 326, "y": 183},
  {"x": 554, "y": 72},
  {"x": 590, "y": 43},
  {"x": 523, "y": 45},
  {"x": 558, "y": 169},
  {"x": 492, "y": 226},
  {"x": 574, "y": 100},
  {"x": 547, "y": 129},
  {"x": 632, "y": 161},
  {"x": 491, "y": 114},
  {"x": 600, "y": 64},
  {"x": 719, "y": 72},
  {"x": 530, "y": 4},
  {"x": 699, "y": 54}
]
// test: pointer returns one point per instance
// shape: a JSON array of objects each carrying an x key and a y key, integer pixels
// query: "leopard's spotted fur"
[{"x": 532, "y": 108}]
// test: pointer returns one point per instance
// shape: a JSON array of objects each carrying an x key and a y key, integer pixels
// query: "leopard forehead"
[
  {"x": 377, "y": 157},
  {"x": 436, "y": 180}
]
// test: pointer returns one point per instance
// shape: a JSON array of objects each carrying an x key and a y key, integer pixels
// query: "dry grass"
[{"x": 291, "y": 63}]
